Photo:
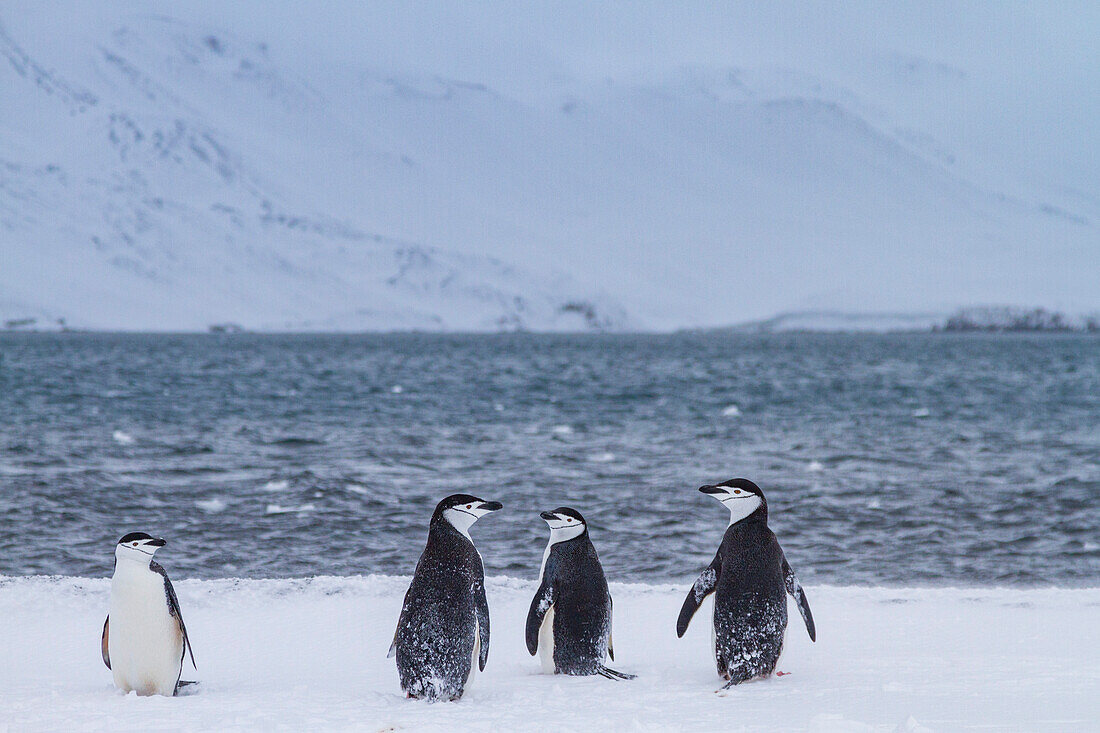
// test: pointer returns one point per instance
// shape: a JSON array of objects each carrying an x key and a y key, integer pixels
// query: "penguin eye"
[
  {"x": 737, "y": 491},
  {"x": 569, "y": 519},
  {"x": 469, "y": 506},
  {"x": 134, "y": 544}
]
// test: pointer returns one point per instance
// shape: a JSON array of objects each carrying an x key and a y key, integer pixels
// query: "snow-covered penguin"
[
  {"x": 748, "y": 576},
  {"x": 443, "y": 632},
  {"x": 569, "y": 622},
  {"x": 144, "y": 640}
]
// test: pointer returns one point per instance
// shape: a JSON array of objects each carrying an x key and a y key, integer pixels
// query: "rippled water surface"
[{"x": 906, "y": 459}]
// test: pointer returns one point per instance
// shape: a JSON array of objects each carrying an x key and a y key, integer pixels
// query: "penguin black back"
[
  {"x": 749, "y": 576},
  {"x": 444, "y": 625},
  {"x": 571, "y": 612}
]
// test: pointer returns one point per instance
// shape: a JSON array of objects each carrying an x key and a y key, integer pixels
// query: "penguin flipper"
[
  {"x": 400, "y": 621},
  {"x": 174, "y": 610},
  {"x": 103, "y": 642},
  {"x": 703, "y": 587},
  {"x": 799, "y": 596},
  {"x": 540, "y": 604},
  {"x": 481, "y": 610},
  {"x": 610, "y": 616}
]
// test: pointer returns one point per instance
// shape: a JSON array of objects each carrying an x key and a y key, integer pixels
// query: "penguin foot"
[{"x": 781, "y": 674}]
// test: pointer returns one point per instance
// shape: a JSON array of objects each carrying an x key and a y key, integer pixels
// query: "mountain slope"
[{"x": 479, "y": 168}]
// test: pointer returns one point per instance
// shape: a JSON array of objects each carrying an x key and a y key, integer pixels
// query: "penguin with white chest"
[
  {"x": 443, "y": 631},
  {"x": 569, "y": 622},
  {"x": 749, "y": 577},
  {"x": 144, "y": 640}
]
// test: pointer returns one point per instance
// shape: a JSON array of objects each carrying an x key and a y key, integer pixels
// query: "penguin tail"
[
  {"x": 612, "y": 674},
  {"x": 184, "y": 683},
  {"x": 736, "y": 678}
]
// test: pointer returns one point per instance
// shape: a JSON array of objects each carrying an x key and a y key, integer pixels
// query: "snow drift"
[
  {"x": 370, "y": 166},
  {"x": 310, "y": 654}
]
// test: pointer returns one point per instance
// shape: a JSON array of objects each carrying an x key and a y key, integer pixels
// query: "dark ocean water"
[{"x": 902, "y": 459}]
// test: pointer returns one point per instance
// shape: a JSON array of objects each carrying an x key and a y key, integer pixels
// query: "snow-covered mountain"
[{"x": 466, "y": 166}]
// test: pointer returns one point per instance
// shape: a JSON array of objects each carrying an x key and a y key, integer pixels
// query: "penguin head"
[
  {"x": 462, "y": 510},
  {"x": 742, "y": 497},
  {"x": 565, "y": 523},
  {"x": 138, "y": 546}
]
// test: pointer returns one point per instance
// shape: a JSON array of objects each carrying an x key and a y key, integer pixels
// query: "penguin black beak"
[
  {"x": 156, "y": 543},
  {"x": 712, "y": 489},
  {"x": 548, "y": 515},
  {"x": 492, "y": 506}
]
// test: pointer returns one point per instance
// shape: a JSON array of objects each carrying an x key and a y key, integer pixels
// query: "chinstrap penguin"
[
  {"x": 443, "y": 631},
  {"x": 748, "y": 577},
  {"x": 144, "y": 640},
  {"x": 569, "y": 623}
]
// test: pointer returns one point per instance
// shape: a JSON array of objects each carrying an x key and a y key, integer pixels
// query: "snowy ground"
[{"x": 310, "y": 655}]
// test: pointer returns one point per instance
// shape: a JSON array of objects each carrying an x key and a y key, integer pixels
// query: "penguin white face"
[
  {"x": 138, "y": 547},
  {"x": 462, "y": 510},
  {"x": 741, "y": 496},
  {"x": 564, "y": 523}
]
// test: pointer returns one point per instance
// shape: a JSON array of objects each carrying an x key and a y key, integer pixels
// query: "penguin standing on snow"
[
  {"x": 144, "y": 639},
  {"x": 748, "y": 577},
  {"x": 444, "y": 626},
  {"x": 569, "y": 623}
]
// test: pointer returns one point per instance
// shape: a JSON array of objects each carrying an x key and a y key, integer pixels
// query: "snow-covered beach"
[{"x": 311, "y": 655}]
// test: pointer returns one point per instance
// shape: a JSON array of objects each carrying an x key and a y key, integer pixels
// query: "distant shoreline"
[
  {"x": 984, "y": 319},
  {"x": 723, "y": 331}
]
